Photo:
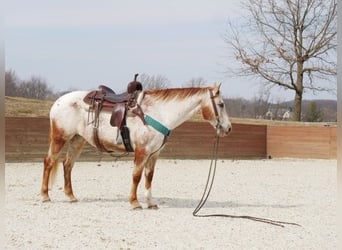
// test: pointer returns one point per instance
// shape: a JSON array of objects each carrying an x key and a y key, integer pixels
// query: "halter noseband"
[{"x": 215, "y": 109}]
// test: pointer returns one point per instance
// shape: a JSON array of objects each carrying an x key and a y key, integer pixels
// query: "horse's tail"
[{"x": 53, "y": 172}]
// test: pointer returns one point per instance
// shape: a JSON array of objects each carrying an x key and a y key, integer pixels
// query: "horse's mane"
[{"x": 175, "y": 93}]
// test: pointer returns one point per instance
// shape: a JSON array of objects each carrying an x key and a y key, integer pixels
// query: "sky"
[{"x": 81, "y": 44}]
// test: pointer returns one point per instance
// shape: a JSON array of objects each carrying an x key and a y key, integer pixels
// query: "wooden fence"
[
  {"x": 27, "y": 140},
  {"x": 302, "y": 141}
]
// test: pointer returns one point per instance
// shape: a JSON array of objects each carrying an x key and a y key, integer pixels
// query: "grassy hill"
[{"x": 24, "y": 107}]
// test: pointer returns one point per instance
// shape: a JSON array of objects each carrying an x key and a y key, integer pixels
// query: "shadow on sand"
[{"x": 191, "y": 203}]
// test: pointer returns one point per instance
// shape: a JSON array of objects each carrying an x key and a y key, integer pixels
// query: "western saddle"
[{"x": 121, "y": 106}]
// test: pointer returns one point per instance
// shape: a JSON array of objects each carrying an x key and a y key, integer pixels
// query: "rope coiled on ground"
[{"x": 208, "y": 187}]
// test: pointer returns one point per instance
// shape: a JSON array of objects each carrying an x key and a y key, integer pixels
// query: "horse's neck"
[{"x": 174, "y": 112}]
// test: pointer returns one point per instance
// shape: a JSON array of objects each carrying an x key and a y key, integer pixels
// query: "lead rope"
[{"x": 207, "y": 189}]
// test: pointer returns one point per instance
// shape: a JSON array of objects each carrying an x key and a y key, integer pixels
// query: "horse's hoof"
[
  {"x": 137, "y": 208},
  {"x": 46, "y": 199},
  {"x": 135, "y": 205},
  {"x": 155, "y": 207},
  {"x": 73, "y": 200}
]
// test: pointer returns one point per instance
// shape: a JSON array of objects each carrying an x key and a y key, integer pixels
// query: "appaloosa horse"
[{"x": 163, "y": 110}]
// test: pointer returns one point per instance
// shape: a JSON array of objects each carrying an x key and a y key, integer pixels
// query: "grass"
[{"x": 24, "y": 107}]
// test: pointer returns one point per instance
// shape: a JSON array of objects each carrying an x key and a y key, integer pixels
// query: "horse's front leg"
[
  {"x": 139, "y": 160},
  {"x": 137, "y": 172},
  {"x": 149, "y": 170}
]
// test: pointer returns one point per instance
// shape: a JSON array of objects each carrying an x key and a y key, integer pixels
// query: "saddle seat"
[
  {"x": 106, "y": 89},
  {"x": 106, "y": 96}
]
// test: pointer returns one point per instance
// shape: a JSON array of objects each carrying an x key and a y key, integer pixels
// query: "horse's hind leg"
[
  {"x": 149, "y": 170},
  {"x": 74, "y": 151},
  {"x": 51, "y": 159}
]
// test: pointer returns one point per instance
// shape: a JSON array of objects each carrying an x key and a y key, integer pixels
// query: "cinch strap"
[{"x": 157, "y": 125}]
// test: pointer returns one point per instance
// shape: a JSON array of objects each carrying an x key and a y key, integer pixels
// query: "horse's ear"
[{"x": 216, "y": 88}]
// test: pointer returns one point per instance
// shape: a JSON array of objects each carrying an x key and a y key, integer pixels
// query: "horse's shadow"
[
  {"x": 168, "y": 202},
  {"x": 191, "y": 203}
]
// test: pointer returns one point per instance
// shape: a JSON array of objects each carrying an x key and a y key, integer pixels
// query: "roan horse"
[{"x": 169, "y": 108}]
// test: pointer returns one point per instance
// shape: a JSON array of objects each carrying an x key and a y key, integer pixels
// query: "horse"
[{"x": 168, "y": 108}]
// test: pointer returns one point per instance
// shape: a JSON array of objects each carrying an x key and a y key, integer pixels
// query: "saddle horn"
[{"x": 135, "y": 85}]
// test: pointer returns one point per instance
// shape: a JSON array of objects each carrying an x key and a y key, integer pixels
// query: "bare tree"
[
  {"x": 35, "y": 88},
  {"x": 314, "y": 114},
  {"x": 195, "y": 82},
  {"x": 240, "y": 107},
  {"x": 287, "y": 43},
  {"x": 261, "y": 104},
  {"x": 11, "y": 83},
  {"x": 154, "y": 81}
]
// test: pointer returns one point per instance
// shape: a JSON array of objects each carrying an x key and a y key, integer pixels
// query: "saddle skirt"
[{"x": 104, "y": 99}]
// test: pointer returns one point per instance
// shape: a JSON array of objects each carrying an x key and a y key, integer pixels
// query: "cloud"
[{"x": 63, "y": 13}]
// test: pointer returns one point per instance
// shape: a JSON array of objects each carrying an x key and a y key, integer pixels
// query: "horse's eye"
[{"x": 221, "y": 104}]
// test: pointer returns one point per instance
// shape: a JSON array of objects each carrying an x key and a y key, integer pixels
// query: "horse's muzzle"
[{"x": 221, "y": 131}]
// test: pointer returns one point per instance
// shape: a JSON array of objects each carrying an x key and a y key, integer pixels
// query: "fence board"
[
  {"x": 27, "y": 140},
  {"x": 301, "y": 141},
  {"x": 195, "y": 140}
]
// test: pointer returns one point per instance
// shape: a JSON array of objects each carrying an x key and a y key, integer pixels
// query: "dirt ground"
[{"x": 298, "y": 191}]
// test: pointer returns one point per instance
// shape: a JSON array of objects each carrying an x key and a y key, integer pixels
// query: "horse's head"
[{"x": 215, "y": 112}]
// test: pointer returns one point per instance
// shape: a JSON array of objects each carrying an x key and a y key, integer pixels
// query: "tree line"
[
  {"x": 35, "y": 87},
  {"x": 259, "y": 107},
  {"x": 312, "y": 110}
]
